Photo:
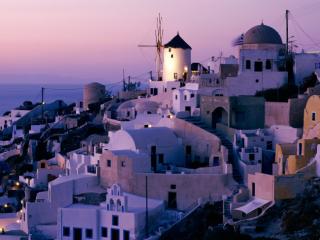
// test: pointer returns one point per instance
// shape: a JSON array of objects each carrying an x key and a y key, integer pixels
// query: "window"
[
  {"x": 176, "y": 97},
  {"x": 146, "y": 126},
  {"x": 104, "y": 232},
  {"x": 313, "y": 116},
  {"x": 216, "y": 161},
  {"x": 171, "y": 55},
  {"x": 175, "y": 75},
  {"x": 89, "y": 233},
  {"x": 251, "y": 156},
  {"x": 123, "y": 163},
  {"x": 91, "y": 169},
  {"x": 258, "y": 66},
  {"x": 192, "y": 95},
  {"x": 108, "y": 163},
  {"x": 126, "y": 235},
  {"x": 165, "y": 89},
  {"x": 253, "y": 189},
  {"x": 169, "y": 49},
  {"x": 268, "y": 64},
  {"x": 257, "y": 80},
  {"x": 115, "y": 220},
  {"x": 300, "y": 149},
  {"x": 248, "y": 64},
  {"x": 66, "y": 231},
  {"x": 155, "y": 91},
  {"x": 185, "y": 97},
  {"x": 173, "y": 186}
]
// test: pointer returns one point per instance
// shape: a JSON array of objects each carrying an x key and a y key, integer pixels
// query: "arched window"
[
  {"x": 118, "y": 205},
  {"x": 112, "y": 207}
]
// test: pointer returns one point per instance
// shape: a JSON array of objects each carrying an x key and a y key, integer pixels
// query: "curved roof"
[
  {"x": 140, "y": 105},
  {"x": 177, "y": 42},
  {"x": 261, "y": 34},
  {"x": 159, "y": 136}
]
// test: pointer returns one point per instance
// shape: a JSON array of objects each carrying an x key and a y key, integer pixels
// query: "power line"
[{"x": 305, "y": 33}]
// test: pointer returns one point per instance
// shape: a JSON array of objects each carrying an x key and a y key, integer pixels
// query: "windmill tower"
[{"x": 158, "y": 46}]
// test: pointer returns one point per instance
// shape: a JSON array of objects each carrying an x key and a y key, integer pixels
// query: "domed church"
[{"x": 261, "y": 62}]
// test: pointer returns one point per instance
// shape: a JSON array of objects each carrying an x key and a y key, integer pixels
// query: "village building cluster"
[{"x": 133, "y": 165}]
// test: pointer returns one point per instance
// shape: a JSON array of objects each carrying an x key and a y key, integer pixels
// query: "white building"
[
  {"x": 160, "y": 143},
  {"x": 261, "y": 62},
  {"x": 8, "y": 119},
  {"x": 186, "y": 99},
  {"x": 305, "y": 64},
  {"x": 121, "y": 216}
]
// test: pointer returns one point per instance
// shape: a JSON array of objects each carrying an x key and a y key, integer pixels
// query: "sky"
[{"x": 80, "y": 41}]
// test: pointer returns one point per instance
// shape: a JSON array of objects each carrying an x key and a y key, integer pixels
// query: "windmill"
[{"x": 158, "y": 45}]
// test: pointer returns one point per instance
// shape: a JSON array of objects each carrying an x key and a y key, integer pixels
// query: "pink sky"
[{"x": 96, "y": 39}]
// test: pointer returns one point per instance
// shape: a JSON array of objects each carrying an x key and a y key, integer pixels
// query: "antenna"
[{"x": 158, "y": 45}]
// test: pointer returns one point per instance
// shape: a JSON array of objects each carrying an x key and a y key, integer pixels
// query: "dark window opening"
[
  {"x": 253, "y": 189},
  {"x": 257, "y": 80},
  {"x": 173, "y": 186},
  {"x": 66, "y": 231},
  {"x": 268, "y": 64},
  {"x": 172, "y": 200},
  {"x": 313, "y": 116},
  {"x": 115, "y": 220},
  {"x": 89, "y": 233},
  {"x": 192, "y": 95},
  {"x": 126, "y": 235},
  {"x": 171, "y": 55},
  {"x": 248, "y": 64},
  {"x": 108, "y": 163},
  {"x": 175, "y": 75},
  {"x": 104, "y": 232},
  {"x": 216, "y": 161},
  {"x": 251, "y": 156},
  {"x": 300, "y": 149},
  {"x": 258, "y": 66}
]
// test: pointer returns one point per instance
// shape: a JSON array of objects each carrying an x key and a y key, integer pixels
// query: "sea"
[{"x": 13, "y": 95}]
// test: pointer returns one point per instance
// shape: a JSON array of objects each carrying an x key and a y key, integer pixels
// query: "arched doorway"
[{"x": 219, "y": 115}]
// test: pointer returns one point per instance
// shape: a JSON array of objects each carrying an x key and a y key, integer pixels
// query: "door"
[
  {"x": 115, "y": 235},
  {"x": 172, "y": 200},
  {"x": 77, "y": 234},
  {"x": 253, "y": 189}
]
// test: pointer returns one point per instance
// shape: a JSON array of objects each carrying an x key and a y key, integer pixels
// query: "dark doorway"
[
  {"x": 188, "y": 109},
  {"x": 77, "y": 234},
  {"x": 219, "y": 115},
  {"x": 253, "y": 189},
  {"x": 154, "y": 158},
  {"x": 115, "y": 235},
  {"x": 188, "y": 154},
  {"x": 172, "y": 200}
]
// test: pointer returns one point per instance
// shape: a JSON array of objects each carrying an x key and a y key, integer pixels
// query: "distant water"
[{"x": 12, "y": 96}]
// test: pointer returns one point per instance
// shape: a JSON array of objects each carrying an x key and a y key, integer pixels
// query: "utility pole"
[
  {"x": 287, "y": 33},
  {"x": 42, "y": 102},
  {"x": 123, "y": 81},
  {"x": 147, "y": 213}
]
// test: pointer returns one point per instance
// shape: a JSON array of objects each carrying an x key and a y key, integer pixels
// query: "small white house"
[
  {"x": 121, "y": 216},
  {"x": 186, "y": 99}
]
